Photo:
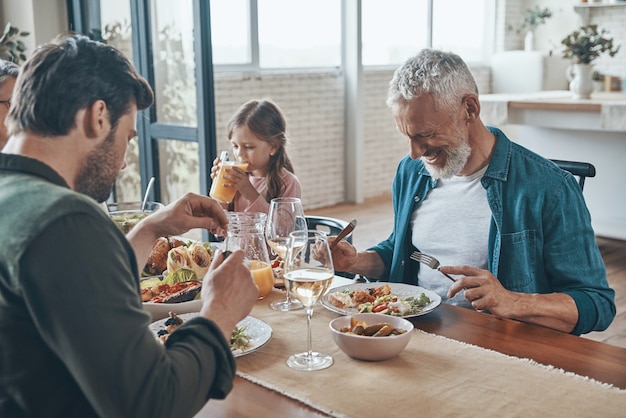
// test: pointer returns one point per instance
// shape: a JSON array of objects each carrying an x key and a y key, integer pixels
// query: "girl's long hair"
[{"x": 267, "y": 122}]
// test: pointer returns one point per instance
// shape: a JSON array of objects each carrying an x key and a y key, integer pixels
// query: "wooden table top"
[{"x": 602, "y": 362}]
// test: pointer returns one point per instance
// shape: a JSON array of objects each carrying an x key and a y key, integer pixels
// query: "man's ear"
[
  {"x": 96, "y": 120},
  {"x": 472, "y": 107}
]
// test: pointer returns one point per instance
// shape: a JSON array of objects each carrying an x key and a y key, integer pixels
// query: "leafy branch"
[
  {"x": 12, "y": 49},
  {"x": 532, "y": 19},
  {"x": 587, "y": 44}
]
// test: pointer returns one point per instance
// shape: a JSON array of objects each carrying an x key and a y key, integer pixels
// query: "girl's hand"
[
  {"x": 241, "y": 182},
  {"x": 215, "y": 168}
]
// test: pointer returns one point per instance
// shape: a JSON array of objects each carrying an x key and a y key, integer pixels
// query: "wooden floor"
[{"x": 375, "y": 221}]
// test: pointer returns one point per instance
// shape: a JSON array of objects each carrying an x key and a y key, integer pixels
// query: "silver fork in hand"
[{"x": 430, "y": 261}]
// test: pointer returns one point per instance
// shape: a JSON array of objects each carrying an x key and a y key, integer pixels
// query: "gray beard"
[{"x": 457, "y": 159}]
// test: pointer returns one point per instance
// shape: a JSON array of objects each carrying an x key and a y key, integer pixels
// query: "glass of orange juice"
[
  {"x": 246, "y": 232},
  {"x": 218, "y": 191}
]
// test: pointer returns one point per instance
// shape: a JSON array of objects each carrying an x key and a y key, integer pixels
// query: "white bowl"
[{"x": 371, "y": 348}]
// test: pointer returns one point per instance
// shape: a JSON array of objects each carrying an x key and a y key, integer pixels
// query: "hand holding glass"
[
  {"x": 245, "y": 232},
  {"x": 308, "y": 274},
  {"x": 218, "y": 189}
]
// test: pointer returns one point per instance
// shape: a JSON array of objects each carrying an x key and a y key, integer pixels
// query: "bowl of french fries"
[{"x": 371, "y": 336}]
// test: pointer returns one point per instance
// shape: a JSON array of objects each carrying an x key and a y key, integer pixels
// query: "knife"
[{"x": 344, "y": 232}]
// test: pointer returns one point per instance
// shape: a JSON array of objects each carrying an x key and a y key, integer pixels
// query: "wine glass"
[
  {"x": 308, "y": 274},
  {"x": 285, "y": 216}
]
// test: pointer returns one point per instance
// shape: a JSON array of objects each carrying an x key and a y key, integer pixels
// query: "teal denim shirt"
[{"x": 540, "y": 237}]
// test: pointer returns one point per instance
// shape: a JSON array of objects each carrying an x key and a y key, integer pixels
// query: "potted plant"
[
  {"x": 12, "y": 49},
  {"x": 587, "y": 44},
  {"x": 584, "y": 46},
  {"x": 531, "y": 20}
]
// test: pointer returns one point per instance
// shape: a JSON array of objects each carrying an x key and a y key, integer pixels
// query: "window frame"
[{"x": 84, "y": 14}]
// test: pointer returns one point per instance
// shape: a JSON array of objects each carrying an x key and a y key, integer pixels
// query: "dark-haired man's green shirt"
[{"x": 74, "y": 340}]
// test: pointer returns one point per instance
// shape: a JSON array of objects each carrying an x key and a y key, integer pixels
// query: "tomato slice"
[{"x": 379, "y": 307}]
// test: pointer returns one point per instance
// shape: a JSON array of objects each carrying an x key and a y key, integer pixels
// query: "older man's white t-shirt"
[{"x": 452, "y": 225}]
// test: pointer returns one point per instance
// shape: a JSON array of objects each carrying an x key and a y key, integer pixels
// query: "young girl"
[{"x": 257, "y": 136}]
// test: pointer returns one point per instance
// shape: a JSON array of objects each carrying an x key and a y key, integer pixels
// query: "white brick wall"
[
  {"x": 313, "y": 106},
  {"x": 613, "y": 19}
]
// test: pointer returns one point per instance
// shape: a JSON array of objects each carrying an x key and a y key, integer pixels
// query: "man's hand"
[
  {"x": 482, "y": 289},
  {"x": 189, "y": 212},
  {"x": 228, "y": 291},
  {"x": 347, "y": 258},
  {"x": 344, "y": 255},
  {"x": 485, "y": 292}
]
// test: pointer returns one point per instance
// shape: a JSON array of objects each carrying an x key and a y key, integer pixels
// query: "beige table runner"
[{"x": 433, "y": 376}]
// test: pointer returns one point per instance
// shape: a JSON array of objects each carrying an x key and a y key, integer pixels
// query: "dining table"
[{"x": 459, "y": 362}]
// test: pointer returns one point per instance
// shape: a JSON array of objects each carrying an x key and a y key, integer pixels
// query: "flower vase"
[
  {"x": 580, "y": 81},
  {"x": 529, "y": 41}
]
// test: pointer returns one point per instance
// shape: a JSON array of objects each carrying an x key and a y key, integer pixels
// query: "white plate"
[
  {"x": 402, "y": 290},
  {"x": 258, "y": 331},
  {"x": 161, "y": 310}
]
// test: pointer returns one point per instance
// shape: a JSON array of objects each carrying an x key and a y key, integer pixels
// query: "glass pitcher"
[{"x": 246, "y": 232}]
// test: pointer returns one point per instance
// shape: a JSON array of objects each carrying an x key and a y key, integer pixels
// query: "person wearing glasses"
[
  {"x": 8, "y": 75},
  {"x": 75, "y": 340},
  {"x": 508, "y": 224}
]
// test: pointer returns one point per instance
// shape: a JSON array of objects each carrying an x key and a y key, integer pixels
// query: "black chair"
[
  {"x": 331, "y": 226},
  {"x": 579, "y": 169}
]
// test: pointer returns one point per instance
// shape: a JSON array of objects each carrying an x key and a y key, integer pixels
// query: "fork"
[{"x": 430, "y": 261}]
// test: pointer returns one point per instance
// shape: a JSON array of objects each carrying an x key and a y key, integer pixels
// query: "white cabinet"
[{"x": 527, "y": 72}]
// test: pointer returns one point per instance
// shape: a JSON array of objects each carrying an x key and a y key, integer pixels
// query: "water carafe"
[{"x": 246, "y": 232}]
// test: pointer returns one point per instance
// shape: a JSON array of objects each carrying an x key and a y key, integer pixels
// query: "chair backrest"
[
  {"x": 579, "y": 169},
  {"x": 332, "y": 226}
]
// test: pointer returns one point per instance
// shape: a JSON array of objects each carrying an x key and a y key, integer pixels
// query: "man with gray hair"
[{"x": 509, "y": 224}]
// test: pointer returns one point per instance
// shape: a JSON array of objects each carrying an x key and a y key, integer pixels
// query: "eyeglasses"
[{"x": 6, "y": 102}]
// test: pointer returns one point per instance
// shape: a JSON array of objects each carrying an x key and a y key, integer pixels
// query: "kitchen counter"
[
  {"x": 605, "y": 111},
  {"x": 556, "y": 126}
]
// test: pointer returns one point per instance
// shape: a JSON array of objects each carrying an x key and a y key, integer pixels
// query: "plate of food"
[
  {"x": 396, "y": 299},
  {"x": 249, "y": 335},
  {"x": 174, "y": 273}
]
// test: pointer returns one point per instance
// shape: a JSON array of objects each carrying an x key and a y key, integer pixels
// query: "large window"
[
  {"x": 464, "y": 27},
  {"x": 391, "y": 34},
  {"x": 275, "y": 34},
  {"x": 392, "y": 31},
  {"x": 272, "y": 34}
]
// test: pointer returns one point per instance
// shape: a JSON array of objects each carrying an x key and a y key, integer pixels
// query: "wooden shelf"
[{"x": 583, "y": 9}]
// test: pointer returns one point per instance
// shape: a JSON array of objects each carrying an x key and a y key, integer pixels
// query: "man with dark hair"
[
  {"x": 8, "y": 75},
  {"x": 75, "y": 340}
]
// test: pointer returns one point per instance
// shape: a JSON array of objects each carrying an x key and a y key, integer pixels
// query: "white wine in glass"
[
  {"x": 308, "y": 274},
  {"x": 285, "y": 216}
]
